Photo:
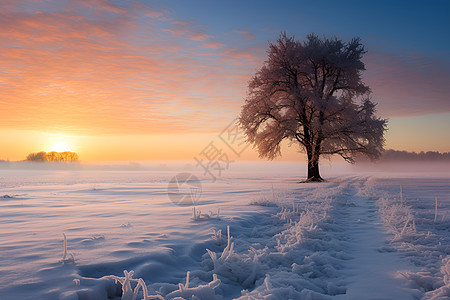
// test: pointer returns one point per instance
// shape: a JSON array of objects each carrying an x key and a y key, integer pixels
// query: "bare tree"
[
  {"x": 64, "y": 156},
  {"x": 72, "y": 156},
  {"x": 39, "y": 156},
  {"x": 305, "y": 93},
  {"x": 52, "y": 156}
]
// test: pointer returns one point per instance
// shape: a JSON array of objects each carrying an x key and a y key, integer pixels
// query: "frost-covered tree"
[{"x": 306, "y": 93}]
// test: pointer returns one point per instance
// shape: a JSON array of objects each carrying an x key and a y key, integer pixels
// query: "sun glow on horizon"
[{"x": 60, "y": 146}]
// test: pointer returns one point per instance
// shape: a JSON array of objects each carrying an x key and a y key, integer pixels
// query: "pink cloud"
[
  {"x": 213, "y": 45},
  {"x": 247, "y": 35},
  {"x": 104, "y": 5},
  {"x": 408, "y": 85},
  {"x": 189, "y": 29}
]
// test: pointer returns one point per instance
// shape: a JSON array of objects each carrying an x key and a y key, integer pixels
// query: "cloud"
[
  {"x": 213, "y": 45},
  {"x": 96, "y": 67},
  {"x": 408, "y": 85},
  {"x": 189, "y": 29},
  {"x": 246, "y": 34}
]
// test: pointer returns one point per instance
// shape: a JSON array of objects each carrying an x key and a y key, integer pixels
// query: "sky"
[{"x": 159, "y": 80}]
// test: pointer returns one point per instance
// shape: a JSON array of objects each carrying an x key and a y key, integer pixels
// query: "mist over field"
[{"x": 296, "y": 168}]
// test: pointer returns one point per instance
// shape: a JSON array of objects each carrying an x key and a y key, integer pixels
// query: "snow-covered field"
[{"x": 359, "y": 236}]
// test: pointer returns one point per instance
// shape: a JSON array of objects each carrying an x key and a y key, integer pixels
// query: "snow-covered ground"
[{"x": 353, "y": 237}]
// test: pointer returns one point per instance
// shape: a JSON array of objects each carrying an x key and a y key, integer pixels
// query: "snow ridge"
[{"x": 407, "y": 222}]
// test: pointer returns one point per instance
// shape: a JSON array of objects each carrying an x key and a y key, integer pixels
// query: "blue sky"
[{"x": 406, "y": 25}]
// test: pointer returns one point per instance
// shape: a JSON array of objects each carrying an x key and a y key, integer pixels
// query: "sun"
[{"x": 60, "y": 146}]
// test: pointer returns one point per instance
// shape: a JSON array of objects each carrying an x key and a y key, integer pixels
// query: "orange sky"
[
  {"x": 138, "y": 82},
  {"x": 93, "y": 84}
]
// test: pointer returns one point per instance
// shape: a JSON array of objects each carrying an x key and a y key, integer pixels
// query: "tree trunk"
[{"x": 313, "y": 171}]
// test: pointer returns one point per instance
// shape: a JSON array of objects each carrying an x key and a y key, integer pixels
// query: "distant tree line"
[
  {"x": 398, "y": 156},
  {"x": 66, "y": 156},
  {"x": 393, "y": 155}
]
